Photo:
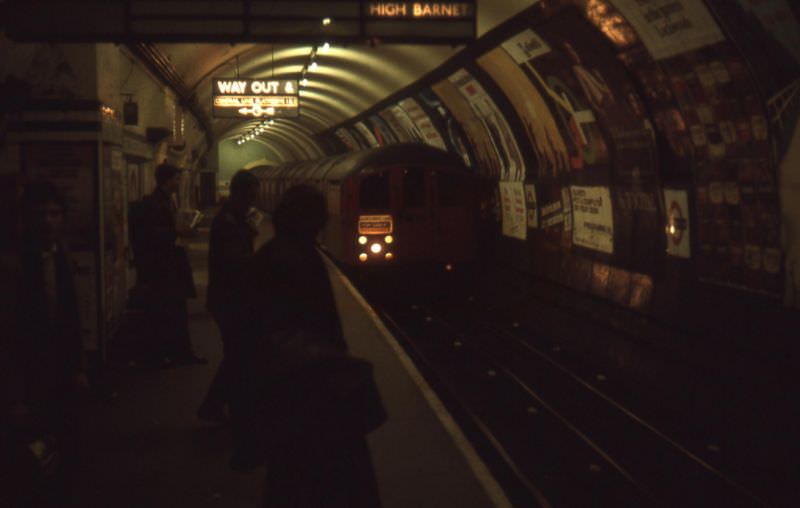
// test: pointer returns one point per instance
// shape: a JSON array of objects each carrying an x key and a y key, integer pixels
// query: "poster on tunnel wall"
[
  {"x": 366, "y": 134},
  {"x": 593, "y": 218},
  {"x": 346, "y": 138},
  {"x": 512, "y": 197},
  {"x": 446, "y": 124},
  {"x": 422, "y": 121},
  {"x": 486, "y": 158},
  {"x": 540, "y": 125},
  {"x": 411, "y": 129},
  {"x": 549, "y": 69},
  {"x": 670, "y": 27},
  {"x": 511, "y": 166},
  {"x": 734, "y": 175},
  {"x": 381, "y": 130},
  {"x": 391, "y": 120},
  {"x": 624, "y": 124}
]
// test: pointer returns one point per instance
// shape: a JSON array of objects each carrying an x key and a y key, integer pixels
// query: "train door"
[{"x": 416, "y": 229}]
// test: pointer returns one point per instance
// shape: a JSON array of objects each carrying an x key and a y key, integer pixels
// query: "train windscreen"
[{"x": 374, "y": 193}]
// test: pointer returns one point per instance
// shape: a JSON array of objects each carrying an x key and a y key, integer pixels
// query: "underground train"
[{"x": 401, "y": 204}]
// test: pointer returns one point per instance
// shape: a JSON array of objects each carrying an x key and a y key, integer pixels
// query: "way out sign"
[
  {"x": 243, "y": 98},
  {"x": 677, "y": 228}
]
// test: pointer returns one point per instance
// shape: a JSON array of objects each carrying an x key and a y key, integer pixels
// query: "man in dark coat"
[
  {"x": 41, "y": 359},
  {"x": 295, "y": 366},
  {"x": 230, "y": 253},
  {"x": 163, "y": 269}
]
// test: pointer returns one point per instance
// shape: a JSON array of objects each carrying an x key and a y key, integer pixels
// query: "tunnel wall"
[
  {"x": 634, "y": 150},
  {"x": 61, "y": 119}
]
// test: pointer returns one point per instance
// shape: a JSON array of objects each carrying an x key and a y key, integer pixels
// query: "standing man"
[
  {"x": 163, "y": 269},
  {"x": 42, "y": 366},
  {"x": 229, "y": 255}
]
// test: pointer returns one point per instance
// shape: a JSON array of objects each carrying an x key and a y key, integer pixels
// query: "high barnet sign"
[
  {"x": 442, "y": 10},
  {"x": 243, "y": 98}
]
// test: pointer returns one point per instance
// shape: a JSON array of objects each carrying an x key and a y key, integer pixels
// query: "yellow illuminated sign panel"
[
  {"x": 374, "y": 224},
  {"x": 236, "y": 98},
  {"x": 420, "y": 10}
]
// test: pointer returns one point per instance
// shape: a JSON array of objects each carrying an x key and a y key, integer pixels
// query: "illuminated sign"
[
  {"x": 374, "y": 224},
  {"x": 236, "y": 98},
  {"x": 445, "y": 10}
]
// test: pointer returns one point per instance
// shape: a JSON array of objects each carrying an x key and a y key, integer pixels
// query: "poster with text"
[
  {"x": 423, "y": 123},
  {"x": 593, "y": 218},
  {"x": 671, "y": 27},
  {"x": 487, "y": 161},
  {"x": 407, "y": 124},
  {"x": 397, "y": 127},
  {"x": 512, "y": 196},
  {"x": 347, "y": 138},
  {"x": 366, "y": 134},
  {"x": 550, "y": 68},
  {"x": 541, "y": 127},
  {"x": 454, "y": 136},
  {"x": 511, "y": 165},
  {"x": 531, "y": 205},
  {"x": 383, "y": 133}
]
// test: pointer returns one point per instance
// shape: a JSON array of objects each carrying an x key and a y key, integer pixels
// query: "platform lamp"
[{"x": 130, "y": 111}]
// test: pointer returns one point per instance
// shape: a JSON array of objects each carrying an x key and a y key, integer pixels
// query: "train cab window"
[
  {"x": 374, "y": 192},
  {"x": 453, "y": 189},
  {"x": 414, "y": 188}
]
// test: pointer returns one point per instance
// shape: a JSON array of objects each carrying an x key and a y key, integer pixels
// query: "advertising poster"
[
  {"x": 540, "y": 125},
  {"x": 422, "y": 121},
  {"x": 446, "y": 124},
  {"x": 407, "y": 124},
  {"x": 549, "y": 67},
  {"x": 531, "y": 206},
  {"x": 604, "y": 84},
  {"x": 670, "y": 27},
  {"x": 397, "y": 128},
  {"x": 676, "y": 203},
  {"x": 487, "y": 162},
  {"x": 71, "y": 167},
  {"x": 593, "y": 223},
  {"x": 511, "y": 165},
  {"x": 382, "y": 132},
  {"x": 346, "y": 138},
  {"x": 366, "y": 134},
  {"x": 512, "y": 197}
]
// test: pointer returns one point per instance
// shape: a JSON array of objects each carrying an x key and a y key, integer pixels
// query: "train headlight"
[
  {"x": 389, "y": 256},
  {"x": 375, "y": 248},
  {"x": 389, "y": 239},
  {"x": 362, "y": 257},
  {"x": 362, "y": 240}
]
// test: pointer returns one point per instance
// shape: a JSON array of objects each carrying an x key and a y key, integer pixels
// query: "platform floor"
[{"x": 146, "y": 449}]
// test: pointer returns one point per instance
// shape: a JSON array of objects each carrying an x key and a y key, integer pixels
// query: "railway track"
[{"x": 556, "y": 435}]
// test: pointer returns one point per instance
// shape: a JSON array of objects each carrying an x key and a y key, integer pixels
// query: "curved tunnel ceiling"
[{"x": 348, "y": 80}]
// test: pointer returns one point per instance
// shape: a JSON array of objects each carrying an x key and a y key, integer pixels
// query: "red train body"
[{"x": 400, "y": 204}]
